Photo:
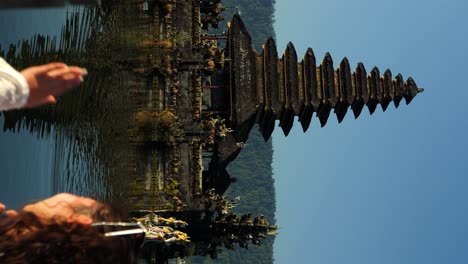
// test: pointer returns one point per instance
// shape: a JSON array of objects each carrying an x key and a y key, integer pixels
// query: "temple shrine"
[{"x": 224, "y": 87}]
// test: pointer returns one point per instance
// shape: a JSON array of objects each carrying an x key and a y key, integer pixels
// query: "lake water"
[
  {"x": 75, "y": 145},
  {"x": 26, "y": 160}
]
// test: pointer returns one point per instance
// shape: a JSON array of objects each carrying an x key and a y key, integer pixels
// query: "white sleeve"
[{"x": 14, "y": 90}]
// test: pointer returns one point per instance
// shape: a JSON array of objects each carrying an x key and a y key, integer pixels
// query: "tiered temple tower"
[{"x": 266, "y": 88}]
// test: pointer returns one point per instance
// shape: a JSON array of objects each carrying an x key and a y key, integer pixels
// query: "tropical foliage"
[{"x": 253, "y": 167}]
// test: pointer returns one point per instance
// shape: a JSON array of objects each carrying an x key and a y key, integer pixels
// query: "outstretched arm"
[{"x": 36, "y": 85}]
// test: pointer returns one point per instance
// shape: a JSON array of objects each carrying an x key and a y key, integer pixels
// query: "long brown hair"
[{"x": 26, "y": 238}]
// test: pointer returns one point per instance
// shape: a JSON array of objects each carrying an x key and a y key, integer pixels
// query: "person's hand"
[
  {"x": 51, "y": 80},
  {"x": 8, "y": 212},
  {"x": 65, "y": 207}
]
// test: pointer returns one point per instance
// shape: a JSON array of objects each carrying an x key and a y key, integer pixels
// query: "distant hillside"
[
  {"x": 253, "y": 167},
  {"x": 258, "y": 17}
]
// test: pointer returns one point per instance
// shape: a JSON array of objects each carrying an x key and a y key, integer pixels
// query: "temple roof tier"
[{"x": 284, "y": 88}]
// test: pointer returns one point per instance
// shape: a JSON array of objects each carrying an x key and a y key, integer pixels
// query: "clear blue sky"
[{"x": 386, "y": 188}]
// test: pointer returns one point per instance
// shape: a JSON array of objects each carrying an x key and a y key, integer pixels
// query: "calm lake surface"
[{"x": 69, "y": 147}]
